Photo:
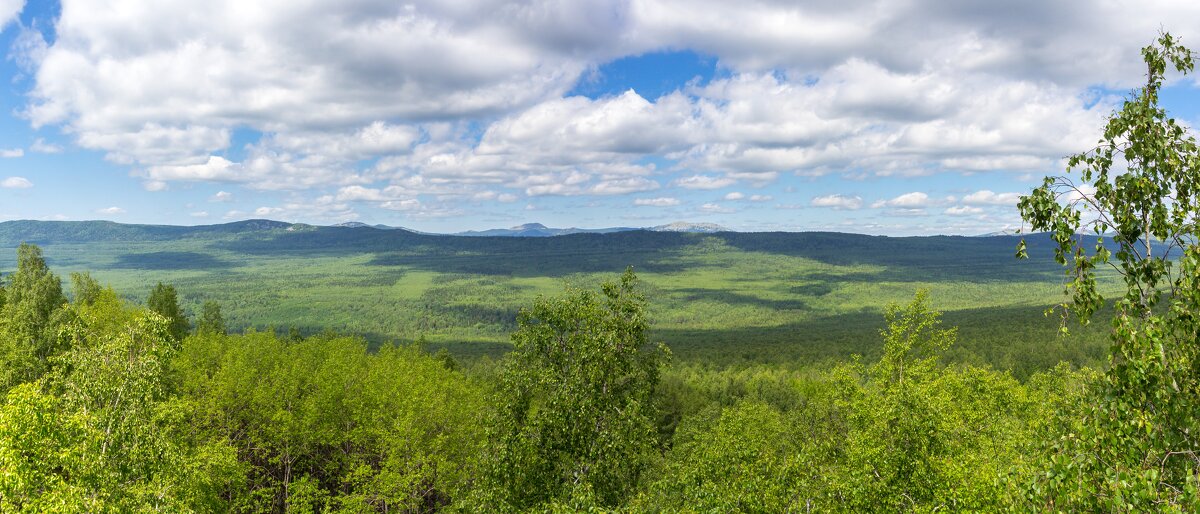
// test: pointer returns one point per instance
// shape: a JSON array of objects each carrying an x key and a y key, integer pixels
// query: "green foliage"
[
  {"x": 27, "y": 334},
  {"x": 211, "y": 320},
  {"x": 749, "y": 459},
  {"x": 85, "y": 289},
  {"x": 583, "y": 415},
  {"x": 96, "y": 434},
  {"x": 901, "y": 434},
  {"x": 1132, "y": 447},
  {"x": 323, "y": 424},
  {"x": 164, "y": 301},
  {"x": 575, "y": 411},
  {"x": 912, "y": 340},
  {"x": 1151, "y": 198},
  {"x": 920, "y": 437}
]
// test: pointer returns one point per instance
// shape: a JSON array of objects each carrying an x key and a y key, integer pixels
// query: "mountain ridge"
[{"x": 37, "y": 231}]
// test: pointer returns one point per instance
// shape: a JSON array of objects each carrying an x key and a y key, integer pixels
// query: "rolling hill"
[{"x": 751, "y": 296}]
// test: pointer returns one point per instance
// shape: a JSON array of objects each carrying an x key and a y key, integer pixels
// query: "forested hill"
[
  {"x": 55, "y": 232},
  {"x": 794, "y": 296},
  {"x": 267, "y": 236}
]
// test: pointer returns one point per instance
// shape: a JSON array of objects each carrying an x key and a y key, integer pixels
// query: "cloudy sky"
[{"x": 888, "y": 116}]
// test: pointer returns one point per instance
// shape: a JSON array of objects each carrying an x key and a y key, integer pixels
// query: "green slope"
[{"x": 725, "y": 296}]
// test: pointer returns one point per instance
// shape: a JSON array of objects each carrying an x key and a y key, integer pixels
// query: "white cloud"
[
  {"x": 164, "y": 84},
  {"x": 963, "y": 210},
  {"x": 154, "y": 185},
  {"x": 12, "y": 153},
  {"x": 663, "y": 201},
  {"x": 41, "y": 146},
  {"x": 16, "y": 183},
  {"x": 379, "y": 94},
  {"x": 215, "y": 169},
  {"x": 623, "y": 186},
  {"x": 110, "y": 211},
  {"x": 986, "y": 197},
  {"x": 915, "y": 200},
  {"x": 322, "y": 209},
  {"x": 199, "y": 214},
  {"x": 402, "y": 205},
  {"x": 221, "y": 196},
  {"x": 704, "y": 182},
  {"x": 716, "y": 208},
  {"x": 842, "y": 202},
  {"x": 575, "y": 129},
  {"x": 360, "y": 193},
  {"x": 737, "y": 196},
  {"x": 401, "y": 199},
  {"x": 491, "y": 195},
  {"x": 9, "y": 10},
  {"x": 1081, "y": 192}
]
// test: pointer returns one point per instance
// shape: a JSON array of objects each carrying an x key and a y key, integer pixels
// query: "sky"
[{"x": 895, "y": 117}]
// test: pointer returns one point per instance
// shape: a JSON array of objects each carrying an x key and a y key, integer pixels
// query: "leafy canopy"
[
  {"x": 1134, "y": 445},
  {"x": 164, "y": 301},
  {"x": 575, "y": 422}
]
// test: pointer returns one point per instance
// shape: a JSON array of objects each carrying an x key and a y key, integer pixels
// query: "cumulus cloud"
[
  {"x": 986, "y": 197},
  {"x": 1081, "y": 192},
  {"x": 110, "y": 211},
  {"x": 704, "y": 182},
  {"x": 325, "y": 208},
  {"x": 41, "y": 146},
  {"x": 221, "y": 196},
  {"x": 11, "y": 153},
  {"x": 317, "y": 97},
  {"x": 914, "y": 200},
  {"x": 742, "y": 197},
  {"x": 662, "y": 201},
  {"x": 716, "y": 208},
  {"x": 492, "y": 195},
  {"x": 16, "y": 183},
  {"x": 836, "y": 201},
  {"x": 623, "y": 186},
  {"x": 963, "y": 210},
  {"x": 9, "y": 9}
]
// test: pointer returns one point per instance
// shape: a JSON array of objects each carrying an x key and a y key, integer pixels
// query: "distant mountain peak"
[
  {"x": 684, "y": 226},
  {"x": 260, "y": 224},
  {"x": 540, "y": 230},
  {"x": 377, "y": 226},
  {"x": 1006, "y": 231}
]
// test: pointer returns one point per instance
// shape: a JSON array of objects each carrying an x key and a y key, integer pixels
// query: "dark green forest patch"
[{"x": 170, "y": 261}]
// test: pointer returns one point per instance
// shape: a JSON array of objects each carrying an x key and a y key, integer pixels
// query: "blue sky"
[{"x": 869, "y": 117}]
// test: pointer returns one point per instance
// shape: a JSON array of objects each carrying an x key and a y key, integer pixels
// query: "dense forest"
[
  {"x": 727, "y": 298},
  {"x": 111, "y": 405},
  {"x": 115, "y": 407}
]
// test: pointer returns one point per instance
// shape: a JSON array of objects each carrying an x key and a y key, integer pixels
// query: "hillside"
[{"x": 808, "y": 295}]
